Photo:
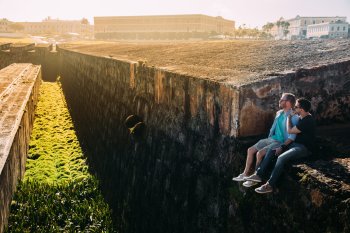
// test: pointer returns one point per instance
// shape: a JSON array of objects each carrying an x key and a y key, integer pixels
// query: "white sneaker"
[
  {"x": 254, "y": 178},
  {"x": 249, "y": 183},
  {"x": 266, "y": 188},
  {"x": 240, "y": 177}
]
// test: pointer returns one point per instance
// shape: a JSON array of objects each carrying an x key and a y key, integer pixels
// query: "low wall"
[
  {"x": 40, "y": 54},
  {"x": 179, "y": 165},
  {"x": 15, "y": 135},
  {"x": 176, "y": 175}
]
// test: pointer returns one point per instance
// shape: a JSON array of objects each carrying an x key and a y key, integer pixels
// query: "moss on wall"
[{"x": 57, "y": 192}]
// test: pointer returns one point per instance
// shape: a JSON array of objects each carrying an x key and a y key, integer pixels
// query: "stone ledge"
[
  {"x": 232, "y": 62},
  {"x": 330, "y": 178},
  {"x": 18, "y": 101},
  {"x": 18, "y": 48}
]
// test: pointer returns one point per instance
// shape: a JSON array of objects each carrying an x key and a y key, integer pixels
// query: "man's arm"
[
  {"x": 273, "y": 127},
  {"x": 290, "y": 128},
  {"x": 280, "y": 149}
]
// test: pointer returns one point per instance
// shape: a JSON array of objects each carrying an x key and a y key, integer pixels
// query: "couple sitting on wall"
[{"x": 291, "y": 138}]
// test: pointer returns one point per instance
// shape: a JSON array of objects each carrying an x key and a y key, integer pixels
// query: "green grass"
[
  {"x": 57, "y": 192},
  {"x": 55, "y": 155}
]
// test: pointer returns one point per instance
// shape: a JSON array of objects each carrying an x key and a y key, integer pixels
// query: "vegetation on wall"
[{"x": 57, "y": 192}]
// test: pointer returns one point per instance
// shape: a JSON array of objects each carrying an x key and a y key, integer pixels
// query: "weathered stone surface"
[
  {"x": 19, "y": 48},
  {"x": 235, "y": 62},
  {"x": 323, "y": 85},
  {"x": 178, "y": 177},
  {"x": 19, "y": 85},
  {"x": 243, "y": 99},
  {"x": 26, "y": 53},
  {"x": 5, "y": 46}
]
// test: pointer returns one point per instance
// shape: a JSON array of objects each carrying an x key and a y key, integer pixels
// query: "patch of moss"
[
  {"x": 57, "y": 192},
  {"x": 305, "y": 178},
  {"x": 71, "y": 207}
]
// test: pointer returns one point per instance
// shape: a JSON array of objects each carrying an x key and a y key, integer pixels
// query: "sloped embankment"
[{"x": 57, "y": 192}]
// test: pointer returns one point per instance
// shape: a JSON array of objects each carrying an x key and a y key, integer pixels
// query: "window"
[
  {"x": 332, "y": 28},
  {"x": 313, "y": 21},
  {"x": 343, "y": 28},
  {"x": 337, "y": 28}
]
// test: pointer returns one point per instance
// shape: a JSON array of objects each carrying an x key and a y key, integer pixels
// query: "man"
[
  {"x": 278, "y": 135},
  {"x": 305, "y": 130}
]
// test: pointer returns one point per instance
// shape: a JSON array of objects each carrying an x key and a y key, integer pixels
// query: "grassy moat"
[{"x": 57, "y": 193}]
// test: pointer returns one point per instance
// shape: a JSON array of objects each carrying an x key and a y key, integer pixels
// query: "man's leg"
[
  {"x": 296, "y": 152},
  {"x": 282, "y": 160},
  {"x": 249, "y": 161},
  {"x": 262, "y": 170},
  {"x": 259, "y": 157},
  {"x": 248, "y": 170}
]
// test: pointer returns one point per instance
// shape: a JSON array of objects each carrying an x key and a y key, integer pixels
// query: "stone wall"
[
  {"x": 41, "y": 54},
  {"x": 172, "y": 177},
  {"x": 328, "y": 88},
  {"x": 175, "y": 176},
  {"x": 19, "y": 126}
]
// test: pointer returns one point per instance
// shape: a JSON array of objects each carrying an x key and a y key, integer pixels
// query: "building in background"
[
  {"x": 298, "y": 25},
  {"x": 338, "y": 29},
  {"x": 80, "y": 28},
  {"x": 297, "y": 28},
  {"x": 161, "y": 27}
]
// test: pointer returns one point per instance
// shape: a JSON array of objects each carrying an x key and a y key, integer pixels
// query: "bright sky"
[{"x": 250, "y": 12}]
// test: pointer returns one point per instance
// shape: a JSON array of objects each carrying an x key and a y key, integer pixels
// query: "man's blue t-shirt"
[{"x": 280, "y": 128}]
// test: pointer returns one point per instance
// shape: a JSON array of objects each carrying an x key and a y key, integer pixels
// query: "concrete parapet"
[
  {"x": 43, "y": 48},
  {"x": 18, "y": 48},
  {"x": 5, "y": 46},
  {"x": 40, "y": 55},
  {"x": 19, "y": 85},
  {"x": 193, "y": 141},
  {"x": 234, "y": 108}
]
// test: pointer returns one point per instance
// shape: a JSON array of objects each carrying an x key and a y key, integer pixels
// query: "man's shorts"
[{"x": 267, "y": 143}]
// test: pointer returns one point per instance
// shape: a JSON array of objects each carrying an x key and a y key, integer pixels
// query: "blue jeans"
[{"x": 296, "y": 151}]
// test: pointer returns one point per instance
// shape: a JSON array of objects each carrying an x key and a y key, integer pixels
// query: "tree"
[
  {"x": 84, "y": 21},
  {"x": 16, "y": 26},
  {"x": 283, "y": 26},
  {"x": 267, "y": 27}
]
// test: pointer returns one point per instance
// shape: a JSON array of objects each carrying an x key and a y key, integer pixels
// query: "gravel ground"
[{"x": 235, "y": 62}]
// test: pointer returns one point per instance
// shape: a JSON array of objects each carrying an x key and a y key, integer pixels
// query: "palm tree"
[
  {"x": 267, "y": 27},
  {"x": 285, "y": 28},
  {"x": 84, "y": 21}
]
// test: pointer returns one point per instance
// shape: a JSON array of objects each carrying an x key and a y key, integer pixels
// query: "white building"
[
  {"x": 298, "y": 25},
  {"x": 337, "y": 29}
]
